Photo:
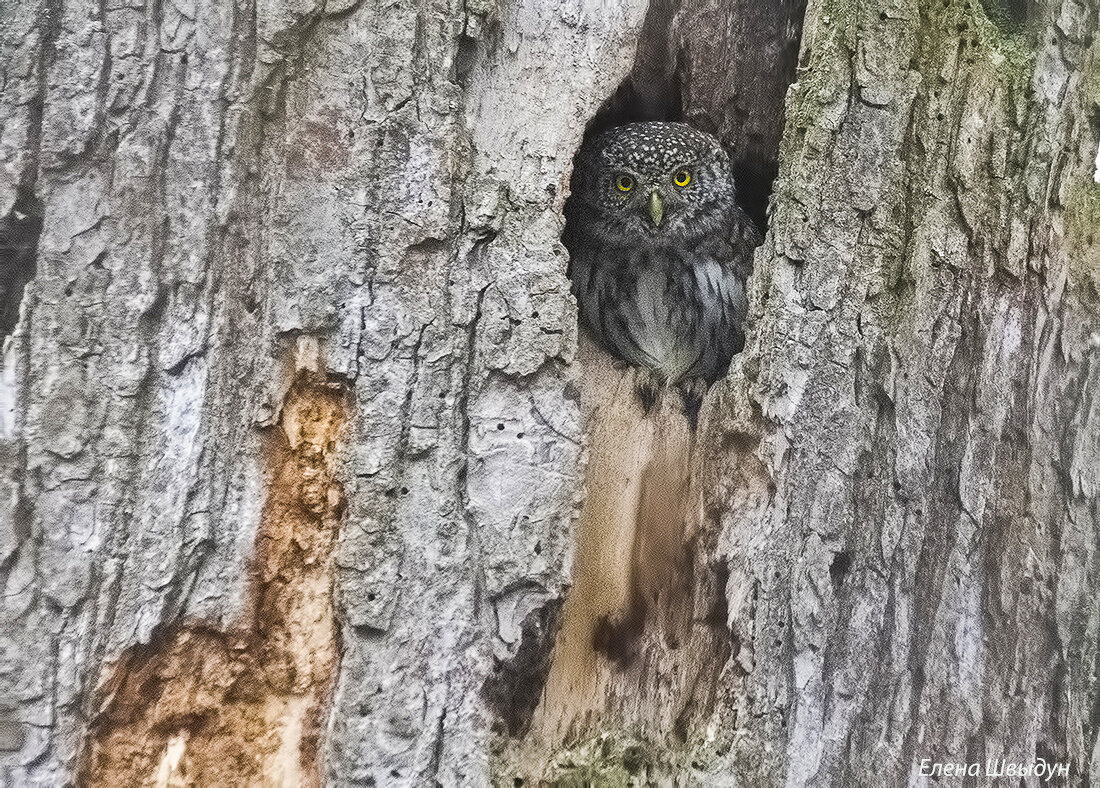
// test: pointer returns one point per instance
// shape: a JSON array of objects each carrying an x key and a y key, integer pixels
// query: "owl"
[{"x": 659, "y": 253}]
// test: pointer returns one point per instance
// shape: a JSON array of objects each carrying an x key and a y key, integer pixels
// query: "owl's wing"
[
  {"x": 735, "y": 250},
  {"x": 743, "y": 238}
]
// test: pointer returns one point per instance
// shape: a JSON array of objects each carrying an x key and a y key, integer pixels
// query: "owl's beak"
[{"x": 656, "y": 208}]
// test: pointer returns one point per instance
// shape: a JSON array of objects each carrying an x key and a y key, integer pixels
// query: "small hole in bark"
[
  {"x": 739, "y": 442},
  {"x": 719, "y": 610},
  {"x": 466, "y": 58},
  {"x": 838, "y": 569}
]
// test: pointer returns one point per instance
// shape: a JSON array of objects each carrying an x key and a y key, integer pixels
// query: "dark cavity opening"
[
  {"x": 1011, "y": 16},
  {"x": 19, "y": 231},
  {"x": 840, "y": 566},
  {"x": 724, "y": 67},
  {"x": 514, "y": 688}
]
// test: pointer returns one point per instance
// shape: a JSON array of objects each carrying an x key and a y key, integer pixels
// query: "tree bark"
[{"x": 294, "y": 414}]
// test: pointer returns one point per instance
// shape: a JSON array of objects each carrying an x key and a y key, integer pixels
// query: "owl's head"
[{"x": 654, "y": 183}]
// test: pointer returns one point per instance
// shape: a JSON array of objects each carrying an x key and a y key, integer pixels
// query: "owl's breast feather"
[
  {"x": 674, "y": 311},
  {"x": 661, "y": 325}
]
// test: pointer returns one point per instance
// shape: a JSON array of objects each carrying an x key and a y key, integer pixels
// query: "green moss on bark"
[{"x": 607, "y": 759}]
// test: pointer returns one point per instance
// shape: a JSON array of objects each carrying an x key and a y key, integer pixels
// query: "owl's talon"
[
  {"x": 648, "y": 391},
  {"x": 691, "y": 395}
]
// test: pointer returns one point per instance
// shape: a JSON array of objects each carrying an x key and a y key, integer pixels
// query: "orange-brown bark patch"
[{"x": 200, "y": 706}]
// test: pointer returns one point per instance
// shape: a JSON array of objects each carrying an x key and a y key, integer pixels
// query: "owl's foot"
[{"x": 692, "y": 391}]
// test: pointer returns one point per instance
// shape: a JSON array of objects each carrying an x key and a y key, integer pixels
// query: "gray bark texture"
[{"x": 295, "y": 416}]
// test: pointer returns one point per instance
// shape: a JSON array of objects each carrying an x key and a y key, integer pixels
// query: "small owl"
[{"x": 659, "y": 252}]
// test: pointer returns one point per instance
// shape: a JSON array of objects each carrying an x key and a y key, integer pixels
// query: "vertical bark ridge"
[{"x": 917, "y": 283}]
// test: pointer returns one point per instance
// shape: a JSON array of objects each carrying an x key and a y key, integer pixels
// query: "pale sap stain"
[{"x": 283, "y": 768}]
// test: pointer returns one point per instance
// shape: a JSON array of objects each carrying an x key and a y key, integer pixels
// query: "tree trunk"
[{"x": 295, "y": 417}]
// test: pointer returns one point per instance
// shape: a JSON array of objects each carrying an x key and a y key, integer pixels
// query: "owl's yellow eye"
[
  {"x": 624, "y": 183},
  {"x": 682, "y": 178}
]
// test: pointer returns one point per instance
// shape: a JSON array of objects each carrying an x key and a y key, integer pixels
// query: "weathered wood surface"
[{"x": 896, "y": 550}]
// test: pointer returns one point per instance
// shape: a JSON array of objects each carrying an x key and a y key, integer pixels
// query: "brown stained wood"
[{"x": 243, "y": 705}]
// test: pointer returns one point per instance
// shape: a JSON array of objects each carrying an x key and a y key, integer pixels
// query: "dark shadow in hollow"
[
  {"x": 19, "y": 232},
  {"x": 515, "y": 686},
  {"x": 1011, "y": 16}
]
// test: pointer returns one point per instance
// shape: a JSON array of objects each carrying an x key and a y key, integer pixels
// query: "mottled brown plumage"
[{"x": 660, "y": 251}]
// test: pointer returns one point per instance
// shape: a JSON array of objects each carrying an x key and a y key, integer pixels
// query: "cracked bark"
[{"x": 895, "y": 555}]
